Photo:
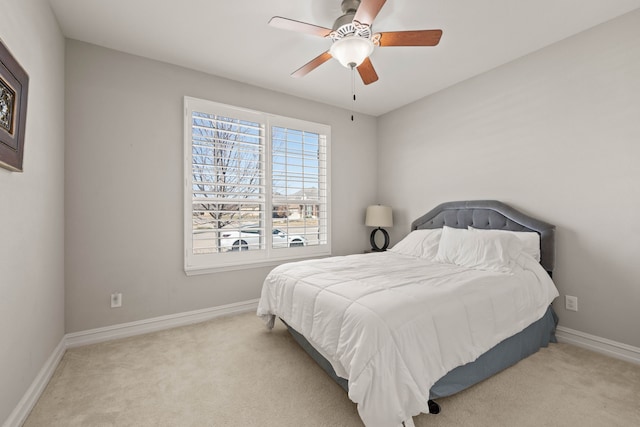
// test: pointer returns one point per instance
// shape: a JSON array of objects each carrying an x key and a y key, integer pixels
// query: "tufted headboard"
[{"x": 491, "y": 214}]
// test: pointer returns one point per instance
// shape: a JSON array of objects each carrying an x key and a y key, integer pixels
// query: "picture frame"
[{"x": 14, "y": 87}]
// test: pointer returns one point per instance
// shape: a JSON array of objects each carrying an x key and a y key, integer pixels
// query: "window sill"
[{"x": 196, "y": 271}]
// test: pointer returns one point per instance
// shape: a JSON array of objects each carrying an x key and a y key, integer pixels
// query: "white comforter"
[{"x": 393, "y": 325}]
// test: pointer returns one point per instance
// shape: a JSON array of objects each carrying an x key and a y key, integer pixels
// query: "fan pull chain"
[{"x": 353, "y": 88}]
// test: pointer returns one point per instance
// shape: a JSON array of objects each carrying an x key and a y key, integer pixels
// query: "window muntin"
[{"x": 256, "y": 187}]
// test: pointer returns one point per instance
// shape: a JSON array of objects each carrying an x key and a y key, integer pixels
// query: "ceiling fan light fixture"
[
  {"x": 350, "y": 51},
  {"x": 353, "y": 40}
]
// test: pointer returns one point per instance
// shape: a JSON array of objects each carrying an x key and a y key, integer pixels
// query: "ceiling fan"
[{"x": 353, "y": 40}]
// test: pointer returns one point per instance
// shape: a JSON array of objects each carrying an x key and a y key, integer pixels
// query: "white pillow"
[
  {"x": 530, "y": 240},
  {"x": 466, "y": 248},
  {"x": 419, "y": 244}
]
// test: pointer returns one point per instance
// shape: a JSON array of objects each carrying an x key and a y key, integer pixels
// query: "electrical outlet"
[
  {"x": 571, "y": 303},
  {"x": 116, "y": 300}
]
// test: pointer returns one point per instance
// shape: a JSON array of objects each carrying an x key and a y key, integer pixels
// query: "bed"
[{"x": 428, "y": 318}]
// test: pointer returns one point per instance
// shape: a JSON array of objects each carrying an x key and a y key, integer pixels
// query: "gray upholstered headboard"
[{"x": 491, "y": 214}]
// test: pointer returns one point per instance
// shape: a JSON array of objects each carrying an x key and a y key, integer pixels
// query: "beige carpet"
[{"x": 232, "y": 372}]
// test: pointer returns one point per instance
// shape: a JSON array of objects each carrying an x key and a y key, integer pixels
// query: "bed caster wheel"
[{"x": 434, "y": 408}]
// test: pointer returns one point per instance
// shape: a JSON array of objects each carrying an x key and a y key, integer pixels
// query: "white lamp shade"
[
  {"x": 351, "y": 50},
  {"x": 379, "y": 216}
]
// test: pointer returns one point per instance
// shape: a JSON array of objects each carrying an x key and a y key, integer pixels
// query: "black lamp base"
[{"x": 372, "y": 240}]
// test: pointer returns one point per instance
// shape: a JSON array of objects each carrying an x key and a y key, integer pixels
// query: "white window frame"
[{"x": 215, "y": 262}]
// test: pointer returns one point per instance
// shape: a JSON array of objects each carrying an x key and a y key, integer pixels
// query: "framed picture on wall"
[{"x": 14, "y": 83}]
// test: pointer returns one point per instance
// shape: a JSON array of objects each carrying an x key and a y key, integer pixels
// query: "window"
[{"x": 256, "y": 187}]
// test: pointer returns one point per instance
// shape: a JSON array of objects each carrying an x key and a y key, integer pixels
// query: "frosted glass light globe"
[{"x": 350, "y": 51}]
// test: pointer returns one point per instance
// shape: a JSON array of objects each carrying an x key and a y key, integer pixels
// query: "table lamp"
[{"x": 379, "y": 216}]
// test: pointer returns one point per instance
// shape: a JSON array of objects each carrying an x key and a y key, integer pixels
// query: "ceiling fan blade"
[
  {"x": 367, "y": 72},
  {"x": 301, "y": 27},
  {"x": 411, "y": 38},
  {"x": 368, "y": 10},
  {"x": 312, "y": 65}
]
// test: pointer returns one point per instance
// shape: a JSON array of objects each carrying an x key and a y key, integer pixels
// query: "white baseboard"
[
  {"x": 599, "y": 345},
  {"x": 28, "y": 401},
  {"x": 154, "y": 324},
  {"x": 92, "y": 336}
]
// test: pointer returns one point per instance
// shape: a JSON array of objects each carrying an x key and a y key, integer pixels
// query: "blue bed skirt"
[{"x": 507, "y": 353}]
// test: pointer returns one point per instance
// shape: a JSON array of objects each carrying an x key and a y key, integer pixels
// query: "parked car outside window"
[{"x": 249, "y": 237}]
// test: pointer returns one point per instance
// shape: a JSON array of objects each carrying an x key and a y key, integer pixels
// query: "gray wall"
[
  {"x": 124, "y": 193},
  {"x": 557, "y": 135},
  {"x": 31, "y": 207}
]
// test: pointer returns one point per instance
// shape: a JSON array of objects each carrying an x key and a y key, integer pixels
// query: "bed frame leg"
[{"x": 434, "y": 408}]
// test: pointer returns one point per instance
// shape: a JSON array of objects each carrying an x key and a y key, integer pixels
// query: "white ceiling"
[{"x": 231, "y": 38}]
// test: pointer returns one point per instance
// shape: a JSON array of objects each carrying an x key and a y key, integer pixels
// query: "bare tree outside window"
[{"x": 228, "y": 195}]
